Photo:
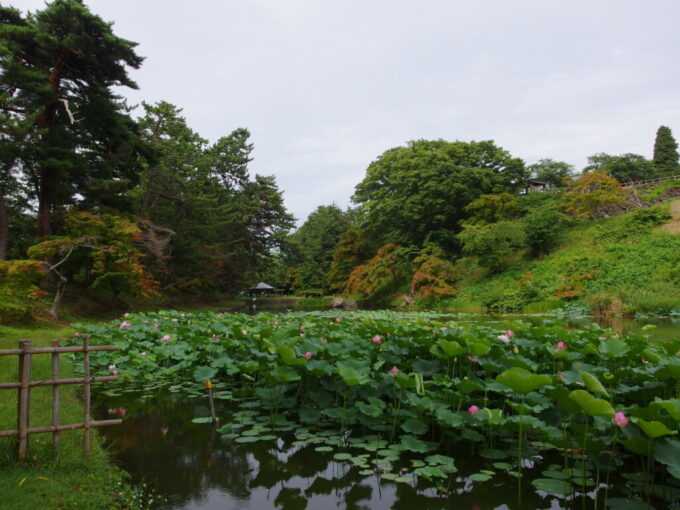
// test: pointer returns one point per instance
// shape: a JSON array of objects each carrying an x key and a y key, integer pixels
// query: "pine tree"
[
  {"x": 58, "y": 67},
  {"x": 665, "y": 152}
]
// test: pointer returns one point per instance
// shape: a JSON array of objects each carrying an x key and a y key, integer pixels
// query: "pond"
[{"x": 255, "y": 458}]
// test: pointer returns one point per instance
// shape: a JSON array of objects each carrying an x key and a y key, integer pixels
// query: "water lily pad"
[
  {"x": 342, "y": 456},
  {"x": 247, "y": 439},
  {"x": 504, "y": 466},
  {"x": 323, "y": 449},
  {"x": 413, "y": 444},
  {"x": 480, "y": 477},
  {"x": 552, "y": 486},
  {"x": 366, "y": 472},
  {"x": 430, "y": 472}
]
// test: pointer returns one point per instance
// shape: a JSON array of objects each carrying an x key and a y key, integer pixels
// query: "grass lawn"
[{"x": 49, "y": 480}]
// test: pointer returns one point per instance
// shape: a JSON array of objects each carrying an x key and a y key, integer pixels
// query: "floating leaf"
[
  {"x": 552, "y": 486},
  {"x": 342, "y": 456},
  {"x": 413, "y": 444}
]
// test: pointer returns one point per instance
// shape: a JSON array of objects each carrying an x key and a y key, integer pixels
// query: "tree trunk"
[
  {"x": 4, "y": 228},
  {"x": 44, "y": 206},
  {"x": 58, "y": 295}
]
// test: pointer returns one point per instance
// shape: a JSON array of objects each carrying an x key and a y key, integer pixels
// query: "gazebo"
[{"x": 260, "y": 288}]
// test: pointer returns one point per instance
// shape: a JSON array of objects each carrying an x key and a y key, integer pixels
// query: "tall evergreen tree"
[
  {"x": 59, "y": 66},
  {"x": 665, "y": 152}
]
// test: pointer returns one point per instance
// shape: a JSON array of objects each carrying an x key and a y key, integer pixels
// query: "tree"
[
  {"x": 665, "y": 152},
  {"x": 384, "y": 273},
  {"x": 418, "y": 193},
  {"x": 493, "y": 244},
  {"x": 549, "y": 170},
  {"x": 315, "y": 241},
  {"x": 624, "y": 168},
  {"x": 59, "y": 66},
  {"x": 354, "y": 248},
  {"x": 492, "y": 208},
  {"x": 98, "y": 252},
  {"x": 593, "y": 195},
  {"x": 543, "y": 228}
]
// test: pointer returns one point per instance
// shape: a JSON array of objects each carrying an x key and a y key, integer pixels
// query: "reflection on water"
[{"x": 195, "y": 467}]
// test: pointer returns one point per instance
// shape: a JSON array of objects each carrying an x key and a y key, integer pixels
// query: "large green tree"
[
  {"x": 549, "y": 170},
  {"x": 59, "y": 66},
  {"x": 624, "y": 167},
  {"x": 418, "y": 193},
  {"x": 224, "y": 227},
  {"x": 314, "y": 243},
  {"x": 665, "y": 152}
]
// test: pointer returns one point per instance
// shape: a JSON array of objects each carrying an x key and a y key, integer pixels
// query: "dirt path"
[{"x": 673, "y": 226}]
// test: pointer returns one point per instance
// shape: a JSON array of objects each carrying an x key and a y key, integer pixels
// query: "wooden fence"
[{"x": 23, "y": 387}]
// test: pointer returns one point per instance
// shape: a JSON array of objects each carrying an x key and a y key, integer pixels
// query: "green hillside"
[{"x": 628, "y": 263}]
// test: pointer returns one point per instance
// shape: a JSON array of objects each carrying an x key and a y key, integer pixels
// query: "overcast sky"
[{"x": 326, "y": 86}]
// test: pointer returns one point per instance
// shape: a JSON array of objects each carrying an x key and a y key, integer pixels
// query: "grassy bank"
[
  {"x": 627, "y": 264},
  {"x": 47, "y": 480}
]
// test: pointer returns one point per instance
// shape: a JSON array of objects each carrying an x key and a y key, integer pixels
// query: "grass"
[{"x": 48, "y": 480}]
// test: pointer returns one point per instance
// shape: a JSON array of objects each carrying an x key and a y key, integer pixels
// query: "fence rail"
[{"x": 23, "y": 430}]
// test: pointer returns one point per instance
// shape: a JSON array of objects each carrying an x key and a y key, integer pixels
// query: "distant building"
[{"x": 536, "y": 185}]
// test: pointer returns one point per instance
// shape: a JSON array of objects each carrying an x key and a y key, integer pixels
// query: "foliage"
[
  {"x": 494, "y": 243},
  {"x": 432, "y": 274},
  {"x": 417, "y": 194},
  {"x": 353, "y": 249},
  {"x": 430, "y": 376},
  {"x": 593, "y": 195},
  {"x": 543, "y": 228},
  {"x": 665, "y": 152},
  {"x": 99, "y": 252},
  {"x": 76, "y": 140},
  {"x": 623, "y": 168},
  {"x": 556, "y": 173},
  {"x": 225, "y": 226},
  {"x": 19, "y": 289},
  {"x": 492, "y": 208},
  {"x": 383, "y": 273},
  {"x": 314, "y": 242}
]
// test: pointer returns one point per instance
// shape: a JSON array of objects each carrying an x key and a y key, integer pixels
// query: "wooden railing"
[{"x": 23, "y": 387}]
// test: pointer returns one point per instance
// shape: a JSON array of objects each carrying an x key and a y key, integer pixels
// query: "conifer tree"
[
  {"x": 58, "y": 69},
  {"x": 665, "y": 152}
]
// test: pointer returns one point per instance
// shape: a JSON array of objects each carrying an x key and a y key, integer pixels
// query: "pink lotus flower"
[
  {"x": 124, "y": 324},
  {"x": 308, "y": 355},
  {"x": 377, "y": 339},
  {"x": 473, "y": 410},
  {"x": 620, "y": 419},
  {"x": 337, "y": 319},
  {"x": 115, "y": 371},
  {"x": 164, "y": 431},
  {"x": 166, "y": 338},
  {"x": 394, "y": 370},
  {"x": 143, "y": 353},
  {"x": 472, "y": 359},
  {"x": 510, "y": 332},
  {"x": 443, "y": 328},
  {"x": 155, "y": 324},
  {"x": 126, "y": 315},
  {"x": 302, "y": 328},
  {"x": 504, "y": 338},
  {"x": 302, "y": 334},
  {"x": 560, "y": 345}
]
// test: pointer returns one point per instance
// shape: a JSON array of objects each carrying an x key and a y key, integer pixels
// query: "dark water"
[{"x": 193, "y": 466}]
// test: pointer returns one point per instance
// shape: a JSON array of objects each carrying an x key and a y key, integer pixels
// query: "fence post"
[
  {"x": 55, "y": 397},
  {"x": 24, "y": 396},
  {"x": 86, "y": 395}
]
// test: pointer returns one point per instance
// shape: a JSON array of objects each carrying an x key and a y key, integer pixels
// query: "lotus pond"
[{"x": 394, "y": 410}]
